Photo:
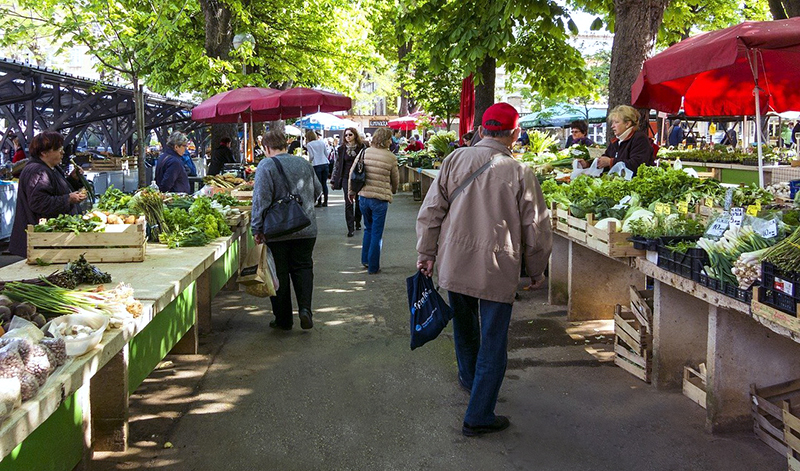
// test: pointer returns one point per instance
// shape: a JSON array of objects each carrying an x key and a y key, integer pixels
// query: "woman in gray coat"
[{"x": 293, "y": 252}]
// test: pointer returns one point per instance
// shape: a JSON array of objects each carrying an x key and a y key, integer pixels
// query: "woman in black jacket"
[
  {"x": 43, "y": 191},
  {"x": 632, "y": 146},
  {"x": 345, "y": 156}
]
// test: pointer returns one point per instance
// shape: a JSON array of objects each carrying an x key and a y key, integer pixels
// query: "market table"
[
  {"x": 86, "y": 405},
  {"x": 692, "y": 324}
]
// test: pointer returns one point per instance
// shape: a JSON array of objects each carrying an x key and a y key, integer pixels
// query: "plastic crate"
[
  {"x": 729, "y": 290},
  {"x": 688, "y": 264},
  {"x": 778, "y": 300},
  {"x": 775, "y": 279},
  {"x": 640, "y": 243}
]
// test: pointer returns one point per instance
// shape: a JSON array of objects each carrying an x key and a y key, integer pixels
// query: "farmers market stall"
[
  {"x": 83, "y": 405},
  {"x": 714, "y": 324}
]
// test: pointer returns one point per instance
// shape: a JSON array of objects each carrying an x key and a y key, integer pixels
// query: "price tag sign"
[
  {"x": 625, "y": 200},
  {"x": 728, "y": 199},
  {"x": 770, "y": 230},
  {"x": 662, "y": 209},
  {"x": 683, "y": 207},
  {"x": 752, "y": 210},
  {"x": 709, "y": 202},
  {"x": 737, "y": 217},
  {"x": 719, "y": 226}
]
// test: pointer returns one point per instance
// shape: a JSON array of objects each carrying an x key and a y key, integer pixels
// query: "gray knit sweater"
[{"x": 270, "y": 186}]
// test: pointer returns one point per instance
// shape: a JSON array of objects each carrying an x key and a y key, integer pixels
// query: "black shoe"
[
  {"x": 464, "y": 385},
  {"x": 275, "y": 325},
  {"x": 358, "y": 227},
  {"x": 318, "y": 205},
  {"x": 374, "y": 272},
  {"x": 500, "y": 423},
  {"x": 350, "y": 233},
  {"x": 325, "y": 204},
  {"x": 305, "y": 319}
]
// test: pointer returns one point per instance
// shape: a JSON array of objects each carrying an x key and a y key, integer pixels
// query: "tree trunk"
[
  {"x": 141, "y": 136},
  {"x": 402, "y": 51},
  {"x": 777, "y": 10},
  {"x": 484, "y": 92},
  {"x": 218, "y": 43},
  {"x": 635, "y": 32}
]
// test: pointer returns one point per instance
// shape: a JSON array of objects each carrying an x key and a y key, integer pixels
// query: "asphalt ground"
[{"x": 351, "y": 395}]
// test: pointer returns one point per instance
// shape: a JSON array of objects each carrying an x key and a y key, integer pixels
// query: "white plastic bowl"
[{"x": 77, "y": 347}]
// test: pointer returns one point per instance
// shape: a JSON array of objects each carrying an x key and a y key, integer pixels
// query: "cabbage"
[
  {"x": 636, "y": 215},
  {"x": 603, "y": 224}
]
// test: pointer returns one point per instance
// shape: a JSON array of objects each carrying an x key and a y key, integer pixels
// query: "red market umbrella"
[
  {"x": 467, "y": 109},
  {"x": 719, "y": 73},
  {"x": 296, "y": 102},
  {"x": 233, "y": 105},
  {"x": 405, "y": 123}
]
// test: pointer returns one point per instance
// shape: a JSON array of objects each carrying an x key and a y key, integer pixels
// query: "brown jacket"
[
  {"x": 499, "y": 218},
  {"x": 383, "y": 177}
]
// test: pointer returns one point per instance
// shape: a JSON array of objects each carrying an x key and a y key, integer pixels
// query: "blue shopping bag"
[{"x": 429, "y": 312}]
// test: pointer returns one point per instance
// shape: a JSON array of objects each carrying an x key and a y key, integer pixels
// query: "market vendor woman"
[
  {"x": 44, "y": 191},
  {"x": 171, "y": 177},
  {"x": 631, "y": 146}
]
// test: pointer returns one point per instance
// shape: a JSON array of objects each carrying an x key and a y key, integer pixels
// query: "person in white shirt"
[{"x": 318, "y": 154}]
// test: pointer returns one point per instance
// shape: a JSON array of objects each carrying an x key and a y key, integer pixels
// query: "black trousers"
[
  {"x": 292, "y": 261},
  {"x": 352, "y": 211},
  {"x": 322, "y": 175}
]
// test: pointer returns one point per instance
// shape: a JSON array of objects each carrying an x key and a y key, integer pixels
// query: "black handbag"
[
  {"x": 285, "y": 215},
  {"x": 359, "y": 176}
]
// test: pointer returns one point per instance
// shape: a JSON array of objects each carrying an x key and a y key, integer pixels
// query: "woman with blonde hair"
[
  {"x": 632, "y": 146},
  {"x": 380, "y": 167},
  {"x": 345, "y": 156}
]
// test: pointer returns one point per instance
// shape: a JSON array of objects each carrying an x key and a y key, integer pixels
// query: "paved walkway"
[{"x": 350, "y": 395}]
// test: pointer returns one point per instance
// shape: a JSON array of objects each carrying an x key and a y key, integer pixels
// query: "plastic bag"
[
  {"x": 78, "y": 344},
  {"x": 592, "y": 171},
  {"x": 268, "y": 286},
  {"x": 10, "y": 396},
  {"x": 429, "y": 313},
  {"x": 23, "y": 329},
  {"x": 622, "y": 170}
]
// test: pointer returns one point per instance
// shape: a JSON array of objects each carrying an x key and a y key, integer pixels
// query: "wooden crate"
[
  {"x": 791, "y": 432},
  {"x": 767, "y": 410},
  {"x": 633, "y": 344},
  {"x": 119, "y": 243},
  {"x": 642, "y": 306},
  {"x": 114, "y": 163},
  {"x": 694, "y": 385},
  {"x": 242, "y": 194},
  {"x": 608, "y": 242},
  {"x": 773, "y": 314}
]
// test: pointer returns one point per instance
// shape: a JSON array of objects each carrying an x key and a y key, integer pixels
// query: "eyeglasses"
[{"x": 348, "y": 135}]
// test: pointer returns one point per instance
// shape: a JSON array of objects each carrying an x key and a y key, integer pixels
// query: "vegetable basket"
[{"x": 780, "y": 288}]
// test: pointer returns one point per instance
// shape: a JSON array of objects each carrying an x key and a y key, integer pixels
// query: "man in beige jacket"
[{"x": 478, "y": 242}]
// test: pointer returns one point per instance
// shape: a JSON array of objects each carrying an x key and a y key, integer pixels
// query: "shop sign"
[{"x": 376, "y": 123}]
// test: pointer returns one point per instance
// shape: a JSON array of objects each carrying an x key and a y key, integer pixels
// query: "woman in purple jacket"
[{"x": 43, "y": 191}]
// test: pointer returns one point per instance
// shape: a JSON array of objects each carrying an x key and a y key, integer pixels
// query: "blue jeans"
[
  {"x": 480, "y": 332},
  {"x": 374, "y": 212}
]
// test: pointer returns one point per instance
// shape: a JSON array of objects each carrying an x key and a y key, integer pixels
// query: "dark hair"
[
  {"x": 45, "y": 141},
  {"x": 275, "y": 139},
  {"x": 467, "y": 136},
  {"x": 356, "y": 137},
  {"x": 225, "y": 140},
  {"x": 580, "y": 125}
]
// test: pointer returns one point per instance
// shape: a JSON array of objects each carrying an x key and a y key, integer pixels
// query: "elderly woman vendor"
[
  {"x": 631, "y": 146},
  {"x": 171, "y": 176},
  {"x": 44, "y": 191}
]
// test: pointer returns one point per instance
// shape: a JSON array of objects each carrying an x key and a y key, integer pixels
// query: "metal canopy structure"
[{"x": 34, "y": 98}]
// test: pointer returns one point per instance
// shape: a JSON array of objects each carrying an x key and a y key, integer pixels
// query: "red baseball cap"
[{"x": 502, "y": 113}]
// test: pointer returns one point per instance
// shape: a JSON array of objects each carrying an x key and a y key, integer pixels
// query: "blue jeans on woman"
[
  {"x": 480, "y": 334},
  {"x": 374, "y": 212}
]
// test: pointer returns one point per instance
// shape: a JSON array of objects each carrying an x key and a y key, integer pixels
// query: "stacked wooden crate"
[{"x": 633, "y": 342}]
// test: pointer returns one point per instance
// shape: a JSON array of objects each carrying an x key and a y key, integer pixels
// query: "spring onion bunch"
[
  {"x": 785, "y": 254},
  {"x": 724, "y": 252}
]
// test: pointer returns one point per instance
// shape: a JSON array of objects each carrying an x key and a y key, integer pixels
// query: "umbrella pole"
[{"x": 759, "y": 138}]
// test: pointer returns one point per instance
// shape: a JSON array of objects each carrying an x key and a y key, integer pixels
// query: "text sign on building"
[{"x": 376, "y": 123}]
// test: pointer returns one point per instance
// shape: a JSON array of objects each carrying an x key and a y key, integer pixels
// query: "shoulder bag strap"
[
  {"x": 283, "y": 174},
  {"x": 471, "y": 178}
]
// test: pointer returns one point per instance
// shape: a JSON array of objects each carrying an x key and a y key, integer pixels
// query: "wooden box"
[
  {"x": 114, "y": 163},
  {"x": 791, "y": 431},
  {"x": 608, "y": 242},
  {"x": 642, "y": 306},
  {"x": 773, "y": 314},
  {"x": 694, "y": 385},
  {"x": 767, "y": 409},
  {"x": 242, "y": 194},
  {"x": 633, "y": 344},
  {"x": 119, "y": 243}
]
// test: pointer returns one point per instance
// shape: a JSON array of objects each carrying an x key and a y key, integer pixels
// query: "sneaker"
[
  {"x": 500, "y": 423},
  {"x": 350, "y": 233},
  {"x": 305, "y": 319},
  {"x": 358, "y": 227}
]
